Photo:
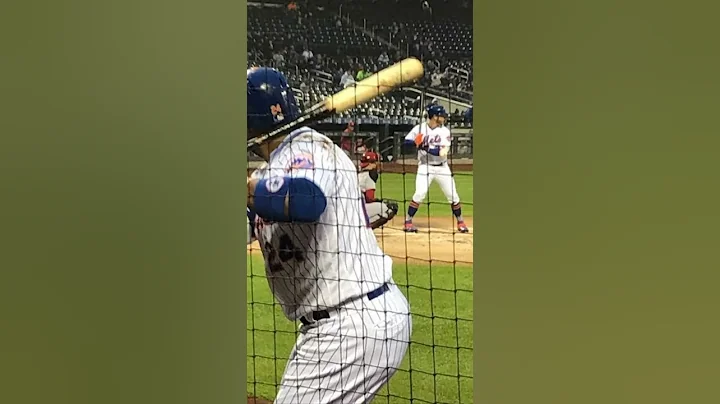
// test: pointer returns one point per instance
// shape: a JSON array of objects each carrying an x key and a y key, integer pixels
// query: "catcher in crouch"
[{"x": 379, "y": 211}]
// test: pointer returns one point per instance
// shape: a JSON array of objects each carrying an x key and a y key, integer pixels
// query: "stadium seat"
[{"x": 270, "y": 31}]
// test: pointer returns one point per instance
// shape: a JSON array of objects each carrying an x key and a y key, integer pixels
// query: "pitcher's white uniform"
[
  {"x": 336, "y": 267},
  {"x": 433, "y": 168}
]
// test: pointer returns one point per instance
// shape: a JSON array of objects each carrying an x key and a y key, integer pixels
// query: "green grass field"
[
  {"x": 401, "y": 188},
  {"x": 438, "y": 366}
]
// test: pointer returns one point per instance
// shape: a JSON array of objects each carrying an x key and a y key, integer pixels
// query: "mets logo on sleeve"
[
  {"x": 302, "y": 161},
  {"x": 274, "y": 184}
]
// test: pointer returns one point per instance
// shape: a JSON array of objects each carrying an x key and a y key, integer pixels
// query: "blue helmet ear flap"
[{"x": 270, "y": 99}]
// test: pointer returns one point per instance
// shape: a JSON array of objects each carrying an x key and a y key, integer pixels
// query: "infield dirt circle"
[{"x": 437, "y": 239}]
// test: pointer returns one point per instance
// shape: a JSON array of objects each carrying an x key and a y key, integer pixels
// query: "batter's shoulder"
[
  {"x": 308, "y": 136},
  {"x": 316, "y": 150}
]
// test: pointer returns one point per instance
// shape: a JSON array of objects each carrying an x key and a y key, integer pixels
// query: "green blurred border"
[
  {"x": 122, "y": 253},
  {"x": 477, "y": 205},
  {"x": 596, "y": 151},
  {"x": 242, "y": 134},
  {"x": 597, "y": 169}
]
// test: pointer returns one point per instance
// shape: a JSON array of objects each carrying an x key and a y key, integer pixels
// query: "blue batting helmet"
[
  {"x": 436, "y": 110},
  {"x": 270, "y": 100}
]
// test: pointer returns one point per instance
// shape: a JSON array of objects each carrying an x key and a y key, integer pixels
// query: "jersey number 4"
[{"x": 286, "y": 252}]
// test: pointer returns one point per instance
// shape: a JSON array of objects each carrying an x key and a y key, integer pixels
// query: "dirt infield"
[{"x": 437, "y": 240}]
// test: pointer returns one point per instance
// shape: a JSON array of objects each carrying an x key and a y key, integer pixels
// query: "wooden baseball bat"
[{"x": 386, "y": 80}]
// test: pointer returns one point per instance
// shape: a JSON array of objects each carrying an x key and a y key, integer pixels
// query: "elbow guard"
[{"x": 306, "y": 201}]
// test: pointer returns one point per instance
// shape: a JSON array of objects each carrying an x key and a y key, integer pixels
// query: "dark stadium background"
[{"x": 358, "y": 38}]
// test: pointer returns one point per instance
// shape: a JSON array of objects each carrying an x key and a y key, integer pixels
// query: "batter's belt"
[{"x": 323, "y": 314}]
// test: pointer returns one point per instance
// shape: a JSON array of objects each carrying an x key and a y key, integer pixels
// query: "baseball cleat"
[
  {"x": 409, "y": 228},
  {"x": 462, "y": 228}
]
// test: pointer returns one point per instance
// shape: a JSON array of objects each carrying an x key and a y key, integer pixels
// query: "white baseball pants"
[
  {"x": 426, "y": 174},
  {"x": 348, "y": 357}
]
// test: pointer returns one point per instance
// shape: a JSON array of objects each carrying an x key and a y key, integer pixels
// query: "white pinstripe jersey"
[
  {"x": 438, "y": 137},
  {"x": 315, "y": 266}
]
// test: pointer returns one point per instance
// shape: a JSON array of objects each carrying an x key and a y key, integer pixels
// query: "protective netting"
[{"x": 432, "y": 262}]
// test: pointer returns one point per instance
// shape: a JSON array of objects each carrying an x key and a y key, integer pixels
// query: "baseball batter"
[
  {"x": 433, "y": 141},
  {"x": 380, "y": 211},
  {"x": 322, "y": 260}
]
